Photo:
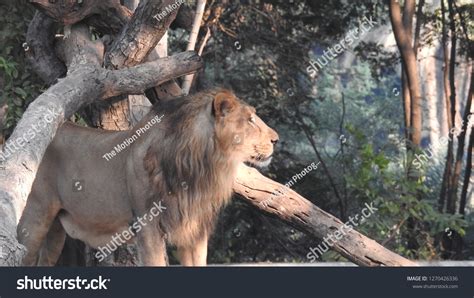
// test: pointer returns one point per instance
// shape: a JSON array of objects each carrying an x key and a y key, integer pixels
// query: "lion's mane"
[{"x": 188, "y": 168}]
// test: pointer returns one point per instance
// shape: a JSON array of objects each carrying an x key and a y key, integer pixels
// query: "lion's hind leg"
[
  {"x": 152, "y": 247},
  {"x": 35, "y": 222}
]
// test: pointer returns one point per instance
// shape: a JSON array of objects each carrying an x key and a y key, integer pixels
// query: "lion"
[{"x": 164, "y": 181}]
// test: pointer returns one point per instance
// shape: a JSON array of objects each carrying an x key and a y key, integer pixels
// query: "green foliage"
[
  {"x": 18, "y": 86},
  {"x": 378, "y": 178}
]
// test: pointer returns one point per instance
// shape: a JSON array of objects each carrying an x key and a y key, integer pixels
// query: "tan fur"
[{"x": 187, "y": 161}]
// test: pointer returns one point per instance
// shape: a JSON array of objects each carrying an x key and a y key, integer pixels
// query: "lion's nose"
[
  {"x": 273, "y": 136},
  {"x": 274, "y": 140}
]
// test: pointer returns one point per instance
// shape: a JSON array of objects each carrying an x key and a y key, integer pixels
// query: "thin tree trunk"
[
  {"x": 309, "y": 136},
  {"x": 201, "y": 4},
  {"x": 462, "y": 139},
  {"x": 467, "y": 174},
  {"x": 406, "y": 107},
  {"x": 447, "y": 94},
  {"x": 419, "y": 22},
  {"x": 403, "y": 31},
  {"x": 407, "y": 53},
  {"x": 407, "y": 19},
  {"x": 451, "y": 198},
  {"x": 408, "y": 25}
]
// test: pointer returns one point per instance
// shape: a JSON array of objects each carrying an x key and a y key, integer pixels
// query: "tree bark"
[{"x": 406, "y": 107}]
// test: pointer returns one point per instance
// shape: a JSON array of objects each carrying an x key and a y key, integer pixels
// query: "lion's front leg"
[
  {"x": 152, "y": 247},
  {"x": 195, "y": 254}
]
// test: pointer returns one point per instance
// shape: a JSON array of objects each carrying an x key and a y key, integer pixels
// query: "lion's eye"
[{"x": 252, "y": 119}]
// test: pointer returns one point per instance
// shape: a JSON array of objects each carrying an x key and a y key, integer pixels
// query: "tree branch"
[
  {"x": 306, "y": 217},
  {"x": 141, "y": 35},
  {"x": 201, "y": 4},
  {"x": 69, "y": 12},
  {"x": 136, "y": 79},
  {"x": 39, "y": 49}
]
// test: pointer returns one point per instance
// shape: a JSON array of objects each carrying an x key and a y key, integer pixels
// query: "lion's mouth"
[{"x": 260, "y": 160}]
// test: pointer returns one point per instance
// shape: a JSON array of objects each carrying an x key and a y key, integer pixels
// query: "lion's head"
[
  {"x": 200, "y": 143},
  {"x": 239, "y": 129}
]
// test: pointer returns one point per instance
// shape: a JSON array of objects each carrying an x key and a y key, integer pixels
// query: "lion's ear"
[{"x": 224, "y": 103}]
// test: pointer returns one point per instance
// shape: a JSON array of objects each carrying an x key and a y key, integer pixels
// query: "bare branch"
[
  {"x": 201, "y": 4},
  {"x": 306, "y": 217},
  {"x": 136, "y": 79},
  {"x": 141, "y": 35}
]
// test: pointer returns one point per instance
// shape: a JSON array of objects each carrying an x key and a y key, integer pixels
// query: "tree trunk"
[
  {"x": 451, "y": 197},
  {"x": 404, "y": 43},
  {"x": 462, "y": 140},
  {"x": 403, "y": 30},
  {"x": 447, "y": 95},
  {"x": 467, "y": 175}
]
